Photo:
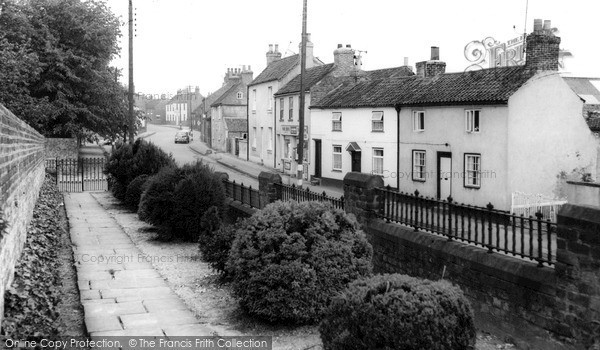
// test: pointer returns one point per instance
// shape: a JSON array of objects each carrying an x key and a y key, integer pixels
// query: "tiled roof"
[
  {"x": 276, "y": 70},
  {"x": 313, "y": 75},
  {"x": 229, "y": 97},
  {"x": 236, "y": 124},
  {"x": 487, "y": 86},
  {"x": 586, "y": 88}
]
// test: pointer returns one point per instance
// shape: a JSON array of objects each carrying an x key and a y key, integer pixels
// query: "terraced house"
[
  {"x": 262, "y": 105},
  {"x": 474, "y": 136}
]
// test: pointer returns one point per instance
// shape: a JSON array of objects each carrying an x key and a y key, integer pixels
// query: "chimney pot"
[
  {"x": 435, "y": 53},
  {"x": 537, "y": 25},
  {"x": 244, "y": 68},
  {"x": 340, "y": 46},
  {"x": 270, "y": 47},
  {"x": 547, "y": 25},
  {"x": 406, "y": 61},
  {"x": 348, "y": 46},
  {"x": 249, "y": 68},
  {"x": 276, "y": 47}
]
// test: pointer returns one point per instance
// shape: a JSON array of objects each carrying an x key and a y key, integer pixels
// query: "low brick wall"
[
  {"x": 21, "y": 176},
  {"x": 510, "y": 296}
]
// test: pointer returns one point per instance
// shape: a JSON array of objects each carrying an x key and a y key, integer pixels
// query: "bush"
[
  {"x": 398, "y": 312},
  {"x": 134, "y": 191},
  {"x": 128, "y": 162},
  {"x": 156, "y": 203},
  {"x": 216, "y": 240},
  {"x": 289, "y": 259},
  {"x": 198, "y": 190}
]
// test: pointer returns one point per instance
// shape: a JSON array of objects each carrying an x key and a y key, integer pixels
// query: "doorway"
[
  {"x": 444, "y": 175},
  {"x": 317, "y": 158},
  {"x": 356, "y": 161}
]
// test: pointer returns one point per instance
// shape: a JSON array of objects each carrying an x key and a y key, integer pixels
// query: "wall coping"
[
  {"x": 579, "y": 212},
  {"x": 587, "y": 184},
  {"x": 362, "y": 180}
]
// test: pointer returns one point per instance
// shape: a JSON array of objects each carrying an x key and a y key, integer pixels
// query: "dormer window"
[{"x": 240, "y": 95}]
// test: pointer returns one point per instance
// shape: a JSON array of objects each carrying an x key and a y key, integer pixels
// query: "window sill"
[
  {"x": 472, "y": 132},
  {"x": 419, "y": 180},
  {"x": 336, "y": 130},
  {"x": 472, "y": 187},
  {"x": 336, "y": 170},
  {"x": 377, "y": 131},
  {"x": 419, "y": 130}
]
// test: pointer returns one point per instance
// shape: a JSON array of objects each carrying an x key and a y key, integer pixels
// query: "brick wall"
[
  {"x": 21, "y": 177},
  {"x": 510, "y": 297}
]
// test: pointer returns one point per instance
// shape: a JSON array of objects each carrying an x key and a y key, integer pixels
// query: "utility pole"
[
  {"x": 131, "y": 88},
  {"x": 300, "y": 145}
]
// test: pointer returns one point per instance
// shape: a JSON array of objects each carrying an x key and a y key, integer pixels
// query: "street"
[{"x": 164, "y": 137}]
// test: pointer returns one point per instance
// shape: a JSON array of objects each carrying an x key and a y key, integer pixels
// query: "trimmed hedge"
[
  {"x": 289, "y": 259},
  {"x": 117, "y": 168},
  {"x": 398, "y": 312},
  {"x": 215, "y": 240},
  {"x": 156, "y": 202}
]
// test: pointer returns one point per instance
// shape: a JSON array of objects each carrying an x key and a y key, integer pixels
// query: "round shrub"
[
  {"x": 134, "y": 191},
  {"x": 398, "y": 312},
  {"x": 198, "y": 190},
  {"x": 156, "y": 202},
  {"x": 289, "y": 259},
  {"x": 117, "y": 168}
]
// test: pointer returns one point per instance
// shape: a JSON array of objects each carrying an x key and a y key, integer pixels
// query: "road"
[{"x": 164, "y": 137}]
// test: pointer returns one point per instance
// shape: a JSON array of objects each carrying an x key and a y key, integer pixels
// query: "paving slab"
[
  {"x": 98, "y": 309},
  {"x": 163, "y": 319},
  {"x": 101, "y": 323}
]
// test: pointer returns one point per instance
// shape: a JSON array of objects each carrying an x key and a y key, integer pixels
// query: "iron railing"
[
  {"x": 244, "y": 194},
  {"x": 530, "y": 238},
  {"x": 300, "y": 194}
]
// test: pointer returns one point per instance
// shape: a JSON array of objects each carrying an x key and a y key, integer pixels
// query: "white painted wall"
[
  {"x": 547, "y": 136},
  {"x": 356, "y": 126},
  {"x": 446, "y": 125}
]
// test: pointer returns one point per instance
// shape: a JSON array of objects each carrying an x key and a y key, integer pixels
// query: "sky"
[{"x": 180, "y": 43}]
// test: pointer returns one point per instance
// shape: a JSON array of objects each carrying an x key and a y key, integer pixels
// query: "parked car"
[{"x": 182, "y": 136}]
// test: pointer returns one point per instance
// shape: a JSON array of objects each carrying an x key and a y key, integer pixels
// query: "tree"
[{"x": 56, "y": 72}]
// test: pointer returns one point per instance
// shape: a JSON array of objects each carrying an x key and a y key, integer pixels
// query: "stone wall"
[
  {"x": 21, "y": 177},
  {"x": 583, "y": 193},
  {"x": 510, "y": 296}
]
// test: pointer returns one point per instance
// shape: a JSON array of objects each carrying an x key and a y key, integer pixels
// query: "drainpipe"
[
  {"x": 398, "y": 109},
  {"x": 274, "y": 133},
  {"x": 248, "y": 123}
]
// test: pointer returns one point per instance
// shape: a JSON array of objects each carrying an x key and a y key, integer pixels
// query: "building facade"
[{"x": 178, "y": 111}]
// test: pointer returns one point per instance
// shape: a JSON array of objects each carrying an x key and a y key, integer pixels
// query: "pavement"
[
  {"x": 121, "y": 293},
  {"x": 252, "y": 169}
]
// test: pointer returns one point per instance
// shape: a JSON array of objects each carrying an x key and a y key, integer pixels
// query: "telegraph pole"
[
  {"x": 131, "y": 88},
  {"x": 300, "y": 145}
]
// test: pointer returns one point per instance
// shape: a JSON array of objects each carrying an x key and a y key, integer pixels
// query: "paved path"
[{"x": 121, "y": 293}]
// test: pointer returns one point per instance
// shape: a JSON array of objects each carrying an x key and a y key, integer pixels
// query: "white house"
[
  {"x": 261, "y": 102},
  {"x": 474, "y": 136}
]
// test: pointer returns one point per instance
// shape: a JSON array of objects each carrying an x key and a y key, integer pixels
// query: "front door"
[
  {"x": 356, "y": 161},
  {"x": 317, "y": 158},
  {"x": 444, "y": 175}
]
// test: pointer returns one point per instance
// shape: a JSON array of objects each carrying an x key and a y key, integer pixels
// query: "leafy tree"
[{"x": 56, "y": 72}]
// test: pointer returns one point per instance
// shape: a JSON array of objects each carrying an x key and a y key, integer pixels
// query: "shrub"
[
  {"x": 398, "y": 312},
  {"x": 198, "y": 190},
  {"x": 134, "y": 191},
  {"x": 289, "y": 259},
  {"x": 216, "y": 240},
  {"x": 117, "y": 168},
  {"x": 156, "y": 202}
]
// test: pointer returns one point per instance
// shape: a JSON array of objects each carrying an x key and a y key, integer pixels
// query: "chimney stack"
[
  {"x": 309, "y": 51},
  {"x": 343, "y": 61},
  {"x": 542, "y": 47},
  {"x": 273, "y": 56},
  {"x": 433, "y": 67},
  {"x": 247, "y": 75}
]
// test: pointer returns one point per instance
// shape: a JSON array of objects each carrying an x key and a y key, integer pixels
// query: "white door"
[{"x": 445, "y": 178}]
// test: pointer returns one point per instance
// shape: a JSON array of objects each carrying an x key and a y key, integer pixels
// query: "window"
[
  {"x": 336, "y": 121},
  {"x": 418, "y": 172},
  {"x": 377, "y": 161},
  {"x": 254, "y": 138},
  {"x": 281, "y": 109},
  {"x": 472, "y": 170},
  {"x": 418, "y": 121},
  {"x": 472, "y": 120},
  {"x": 240, "y": 95},
  {"x": 270, "y": 92},
  {"x": 337, "y": 157},
  {"x": 377, "y": 121},
  {"x": 270, "y": 145},
  {"x": 254, "y": 101},
  {"x": 291, "y": 108}
]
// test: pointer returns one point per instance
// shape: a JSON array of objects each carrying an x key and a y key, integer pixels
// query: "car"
[{"x": 182, "y": 136}]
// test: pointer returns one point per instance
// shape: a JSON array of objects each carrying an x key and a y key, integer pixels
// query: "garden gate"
[{"x": 78, "y": 175}]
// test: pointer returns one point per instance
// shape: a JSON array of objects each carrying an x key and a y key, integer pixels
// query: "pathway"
[{"x": 121, "y": 293}]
